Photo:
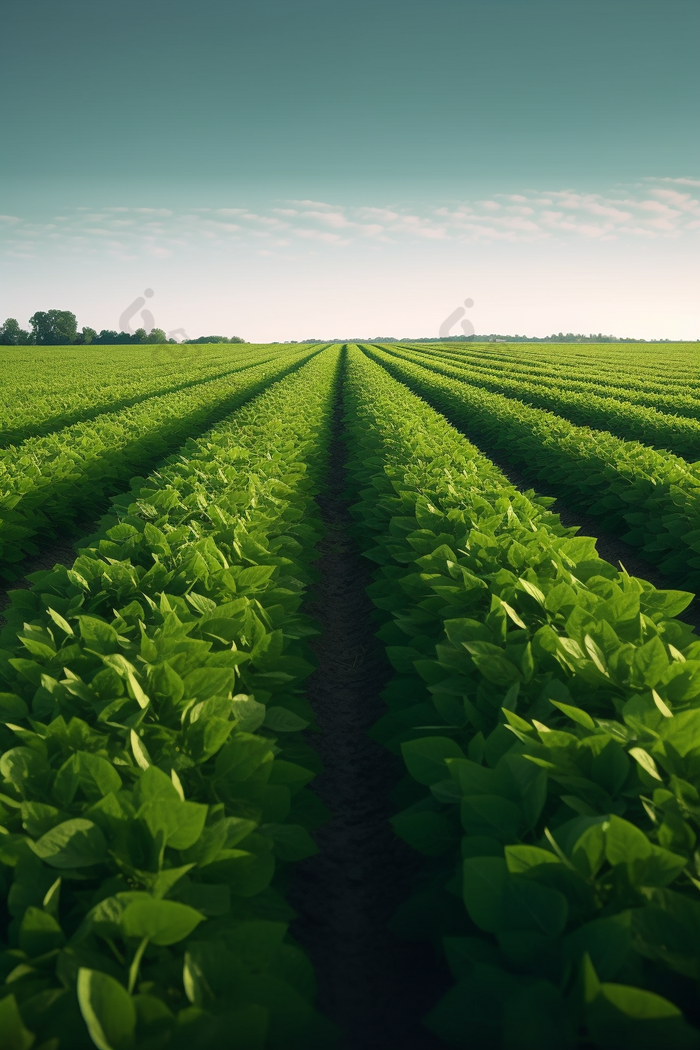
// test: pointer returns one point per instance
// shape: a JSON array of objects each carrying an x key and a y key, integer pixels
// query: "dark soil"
[
  {"x": 372, "y": 984},
  {"x": 60, "y": 552},
  {"x": 609, "y": 546}
]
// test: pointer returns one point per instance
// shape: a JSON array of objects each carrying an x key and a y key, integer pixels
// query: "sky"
[{"x": 291, "y": 169}]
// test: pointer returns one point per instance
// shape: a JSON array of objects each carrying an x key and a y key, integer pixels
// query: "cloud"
[{"x": 652, "y": 208}]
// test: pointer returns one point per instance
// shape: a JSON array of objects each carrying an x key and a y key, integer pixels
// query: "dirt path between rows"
[
  {"x": 372, "y": 984},
  {"x": 60, "y": 552}
]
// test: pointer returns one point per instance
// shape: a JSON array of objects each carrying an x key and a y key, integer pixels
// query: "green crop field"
[{"x": 328, "y": 662}]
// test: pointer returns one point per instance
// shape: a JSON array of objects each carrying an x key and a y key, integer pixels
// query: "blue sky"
[{"x": 325, "y": 168}]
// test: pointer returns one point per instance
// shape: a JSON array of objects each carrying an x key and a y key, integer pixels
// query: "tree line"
[{"x": 60, "y": 328}]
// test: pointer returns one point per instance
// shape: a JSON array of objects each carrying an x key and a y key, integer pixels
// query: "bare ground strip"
[{"x": 374, "y": 985}]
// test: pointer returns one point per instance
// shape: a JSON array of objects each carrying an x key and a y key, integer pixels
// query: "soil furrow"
[{"x": 372, "y": 984}]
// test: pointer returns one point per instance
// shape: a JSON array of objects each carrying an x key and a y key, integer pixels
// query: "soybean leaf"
[
  {"x": 163, "y": 922},
  {"x": 13, "y": 1033},
  {"x": 108, "y": 1010},
  {"x": 76, "y": 843},
  {"x": 425, "y": 758},
  {"x": 485, "y": 880}
]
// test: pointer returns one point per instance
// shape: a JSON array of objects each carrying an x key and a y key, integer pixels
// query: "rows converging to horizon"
[{"x": 187, "y": 538}]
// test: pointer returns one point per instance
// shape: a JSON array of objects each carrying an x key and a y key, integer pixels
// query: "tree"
[
  {"x": 216, "y": 339},
  {"x": 12, "y": 335},
  {"x": 9, "y": 333},
  {"x": 156, "y": 335},
  {"x": 88, "y": 335},
  {"x": 54, "y": 327}
]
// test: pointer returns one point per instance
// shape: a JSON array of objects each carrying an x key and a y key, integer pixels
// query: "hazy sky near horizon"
[{"x": 321, "y": 168}]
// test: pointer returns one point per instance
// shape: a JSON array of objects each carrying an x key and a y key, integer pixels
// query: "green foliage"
[
  {"x": 601, "y": 380},
  {"x": 55, "y": 388},
  {"x": 53, "y": 327},
  {"x": 146, "y": 805},
  {"x": 547, "y": 707},
  {"x": 651, "y": 498},
  {"x": 12, "y": 335},
  {"x": 49, "y": 482}
]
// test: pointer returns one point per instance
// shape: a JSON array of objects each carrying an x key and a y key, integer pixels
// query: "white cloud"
[{"x": 658, "y": 208}]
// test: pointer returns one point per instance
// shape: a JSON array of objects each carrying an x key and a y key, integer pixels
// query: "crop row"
[
  {"x": 562, "y": 382},
  {"x": 153, "y": 787},
  {"x": 625, "y": 420},
  {"x": 48, "y": 483},
  {"x": 547, "y": 708},
  {"x": 659, "y": 370},
  {"x": 62, "y": 392},
  {"x": 655, "y": 495}
]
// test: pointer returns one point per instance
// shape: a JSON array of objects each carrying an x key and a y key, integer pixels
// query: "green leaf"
[
  {"x": 669, "y": 603},
  {"x": 498, "y": 669},
  {"x": 528, "y": 905},
  {"x": 538, "y": 1016},
  {"x": 429, "y": 833},
  {"x": 650, "y": 661},
  {"x": 206, "y": 682},
  {"x": 181, "y": 822},
  {"x": 524, "y": 858},
  {"x": 575, "y": 713},
  {"x": 136, "y": 691},
  {"x": 241, "y": 756},
  {"x": 12, "y": 708},
  {"x": 108, "y": 1010},
  {"x": 491, "y": 815},
  {"x": 637, "y": 1003},
  {"x": 607, "y": 941},
  {"x": 646, "y": 864},
  {"x": 163, "y": 922},
  {"x": 97, "y": 777},
  {"x": 622, "y": 1015},
  {"x": 13, "y": 1034},
  {"x": 155, "y": 786},
  {"x": 281, "y": 720},
  {"x": 38, "y": 818},
  {"x": 532, "y": 590},
  {"x": 682, "y": 731},
  {"x": 23, "y": 767},
  {"x": 39, "y": 933},
  {"x": 663, "y": 707},
  {"x": 75, "y": 843},
  {"x": 254, "y": 578},
  {"x": 624, "y": 842},
  {"x": 588, "y": 854},
  {"x": 292, "y": 842},
  {"x": 484, "y": 883},
  {"x": 249, "y": 714},
  {"x": 139, "y": 750},
  {"x": 645, "y": 761},
  {"x": 425, "y": 757}
]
